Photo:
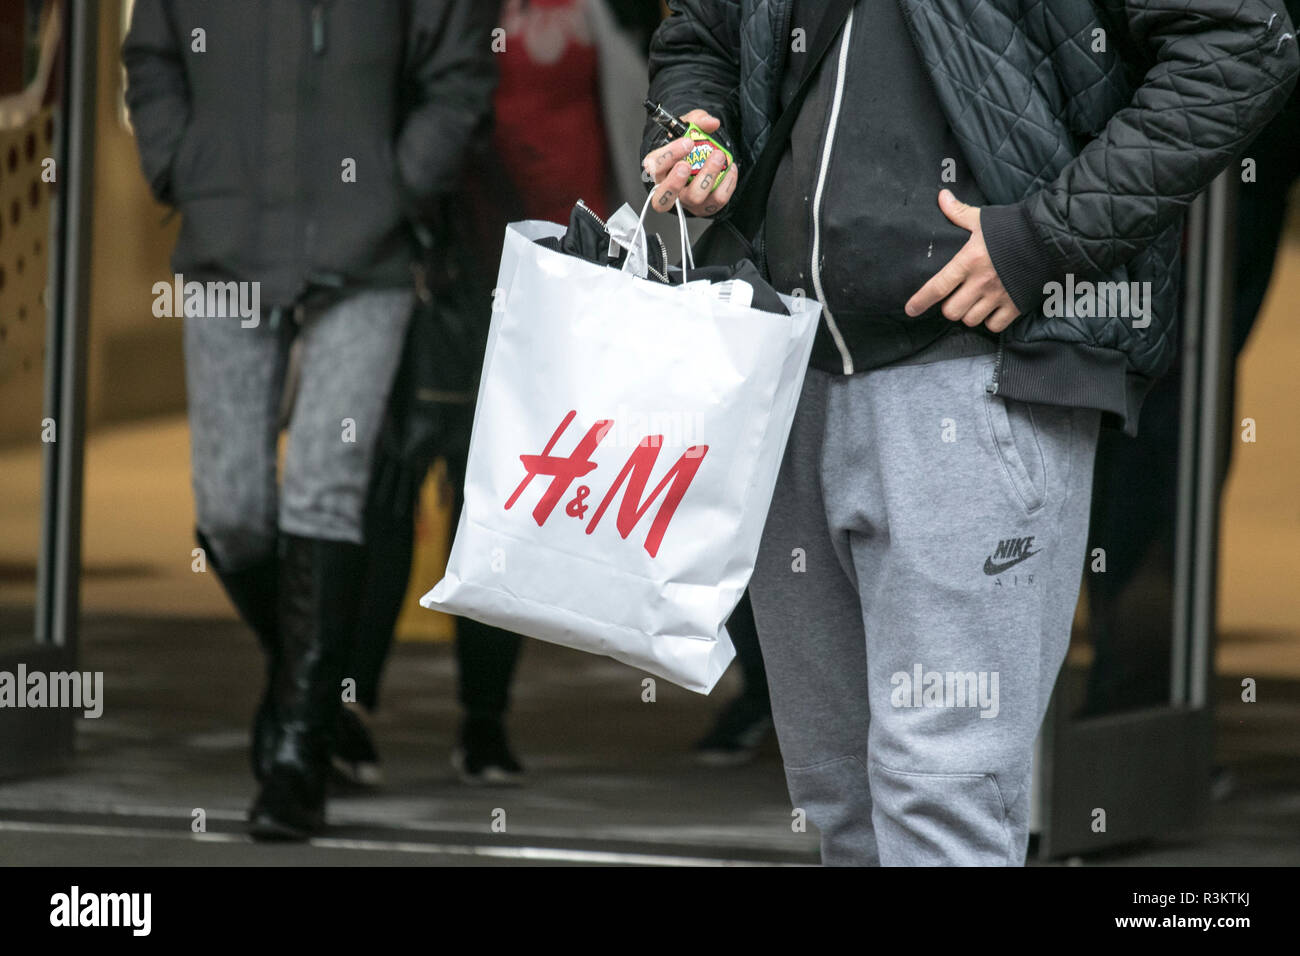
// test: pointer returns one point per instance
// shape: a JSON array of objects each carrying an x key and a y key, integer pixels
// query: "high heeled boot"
[
  {"x": 252, "y": 591},
  {"x": 319, "y": 594}
]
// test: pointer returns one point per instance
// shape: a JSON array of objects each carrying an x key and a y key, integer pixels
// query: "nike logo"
[
  {"x": 1009, "y": 553},
  {"x": 990, "y": 568}
]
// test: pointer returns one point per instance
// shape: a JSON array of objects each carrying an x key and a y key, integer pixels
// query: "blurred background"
[{"x": 1196, "y": 588}]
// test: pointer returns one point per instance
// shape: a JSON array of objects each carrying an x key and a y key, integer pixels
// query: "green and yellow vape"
[{"x": 704, "y": 143}]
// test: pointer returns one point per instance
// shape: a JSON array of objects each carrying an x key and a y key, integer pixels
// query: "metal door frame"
[
  {"x": 36, "y": 740},
  {"x": 1149, "y": 769}
]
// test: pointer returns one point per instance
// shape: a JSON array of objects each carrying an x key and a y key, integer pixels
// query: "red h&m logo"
[{"x": 636, "y": 473}]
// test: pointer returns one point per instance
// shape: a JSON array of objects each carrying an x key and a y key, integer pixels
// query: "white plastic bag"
[{"x": 580, "y": 526}]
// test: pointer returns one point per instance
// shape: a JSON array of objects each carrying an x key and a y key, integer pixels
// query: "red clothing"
[{"x": 550, "y": 134}]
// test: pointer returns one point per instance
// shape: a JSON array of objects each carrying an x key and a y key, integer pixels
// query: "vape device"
[{"x": 704, "y": 143}]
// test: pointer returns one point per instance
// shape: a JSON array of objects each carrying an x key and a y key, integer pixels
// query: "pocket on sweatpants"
[{"x": 1014, "y": 431}]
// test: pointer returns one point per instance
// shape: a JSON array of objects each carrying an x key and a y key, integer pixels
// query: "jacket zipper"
[
  {"x": 997, "y": 365},
  {"x": 661, "y": 276},
  {"x": 663, "y": 253},
  {"x": 842, "y": 69},
  {"x": 590, "y": 212}
]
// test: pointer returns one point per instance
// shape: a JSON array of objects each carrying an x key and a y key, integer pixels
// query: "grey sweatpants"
[
  {"x": 235, "y": 379},
  {"x": 914, "y": 593}
]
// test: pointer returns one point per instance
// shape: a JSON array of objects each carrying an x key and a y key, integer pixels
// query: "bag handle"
[
  {"x": 639, "y": 237},
  {"x": 751, "y": 205}
]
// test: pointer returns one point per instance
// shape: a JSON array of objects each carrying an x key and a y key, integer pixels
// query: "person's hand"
[
  {"x": 968, "y": 286},
  {"x": 667, "y": 167}
]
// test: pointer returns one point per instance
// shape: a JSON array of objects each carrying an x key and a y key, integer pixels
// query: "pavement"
[
  {"x": 610, "y": 779},
  {"x": 609, "y": 775}
]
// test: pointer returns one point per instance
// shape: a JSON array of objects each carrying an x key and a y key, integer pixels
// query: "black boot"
[
  {"x": 484, "y": 758},
  {"x": 319, "y": 595},
  {"x": 486, "y": 658},
  {"x": 353, "y": 758},
  {"x": 253, "y": 593}
]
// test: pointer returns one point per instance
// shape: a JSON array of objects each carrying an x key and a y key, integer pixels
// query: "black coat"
[
  {"x": 249, "y": 126},
  {"x": 1089, "y": 158}
]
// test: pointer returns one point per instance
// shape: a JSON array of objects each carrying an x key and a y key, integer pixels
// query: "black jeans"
[{"x": 485, "y": 655}]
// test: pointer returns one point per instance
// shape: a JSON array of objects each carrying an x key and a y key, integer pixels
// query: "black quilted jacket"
[{"x": 1088, "y": 157}]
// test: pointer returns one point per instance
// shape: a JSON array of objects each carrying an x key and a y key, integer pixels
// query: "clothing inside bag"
[{"x": 589, "y": 237}]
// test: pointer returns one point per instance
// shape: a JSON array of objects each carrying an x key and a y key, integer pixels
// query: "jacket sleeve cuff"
[{"x": 1023, "y": 262}]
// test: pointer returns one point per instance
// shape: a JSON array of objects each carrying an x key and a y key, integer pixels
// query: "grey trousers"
[
  {"x": 914, "y": 593},
  {"x": 235, "y": 379}
]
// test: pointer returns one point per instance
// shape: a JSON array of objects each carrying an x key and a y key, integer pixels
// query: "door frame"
[
  {"x": 37, "y": 740},
  {"x": 1149, "y": 769}
]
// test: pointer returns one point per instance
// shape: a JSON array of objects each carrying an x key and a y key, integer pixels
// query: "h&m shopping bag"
[{"x": 625, "y": 447}]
